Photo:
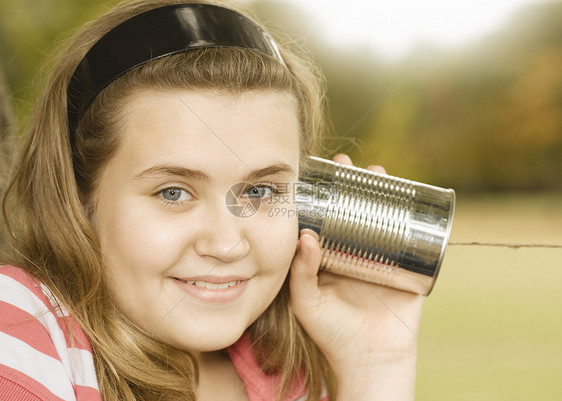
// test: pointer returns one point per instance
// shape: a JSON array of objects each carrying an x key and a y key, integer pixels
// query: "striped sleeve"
[{"x": 43, "y": 356}]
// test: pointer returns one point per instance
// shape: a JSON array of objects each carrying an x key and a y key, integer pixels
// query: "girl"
[{"x": 134, "y": 280}]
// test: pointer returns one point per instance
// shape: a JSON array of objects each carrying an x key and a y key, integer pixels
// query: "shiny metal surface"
[{"x": 376, "y": 227}]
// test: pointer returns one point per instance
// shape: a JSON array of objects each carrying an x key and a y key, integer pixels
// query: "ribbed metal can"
[{"x": 376, "y": 227}]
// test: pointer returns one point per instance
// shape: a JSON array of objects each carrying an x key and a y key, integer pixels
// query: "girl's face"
[{"x": 179, "y": 261}]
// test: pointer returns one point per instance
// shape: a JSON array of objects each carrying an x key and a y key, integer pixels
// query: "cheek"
[
  {"x": 276, "y": 239},
  {"x": 134, "y": 240},
  {"x": 137, "y": 252}
]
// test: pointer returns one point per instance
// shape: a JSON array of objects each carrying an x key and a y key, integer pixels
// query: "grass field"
[{"x": 492, "y": 327}]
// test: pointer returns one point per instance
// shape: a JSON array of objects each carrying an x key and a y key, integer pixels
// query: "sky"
[{"x": 392, "y": 27}]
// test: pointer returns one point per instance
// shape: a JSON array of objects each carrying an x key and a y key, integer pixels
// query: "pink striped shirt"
[
  {"x": 259, "y": 386},
  {"x": 39, "y": 358},
  {"x": 40, "y": 362}
]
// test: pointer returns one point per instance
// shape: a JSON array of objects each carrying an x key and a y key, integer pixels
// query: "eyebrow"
[
  {"x": 275, "y": 169},
  {"x": 171, "y": 170}
]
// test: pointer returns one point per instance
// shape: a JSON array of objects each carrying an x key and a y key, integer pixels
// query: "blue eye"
[
  {"x": 259, "y": 192},
  {"x": 175, "y": 194}
]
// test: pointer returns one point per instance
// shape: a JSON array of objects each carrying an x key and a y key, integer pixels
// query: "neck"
[{"x": 216, "y": 367}]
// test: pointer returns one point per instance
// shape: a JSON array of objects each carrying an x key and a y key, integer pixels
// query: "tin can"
[{"x": 376, "y": 227}]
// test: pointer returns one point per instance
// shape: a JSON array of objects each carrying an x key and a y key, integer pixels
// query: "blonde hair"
[
  {"x": 6, "y": 114},
  {"x": 6, "y": 138},
  {"x": 47, "y": 208}
]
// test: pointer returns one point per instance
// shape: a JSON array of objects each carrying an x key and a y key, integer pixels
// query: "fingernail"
[{"x": 308, "y": 231}]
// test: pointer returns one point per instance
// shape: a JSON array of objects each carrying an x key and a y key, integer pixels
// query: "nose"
[{"x": 223, "y": 236}]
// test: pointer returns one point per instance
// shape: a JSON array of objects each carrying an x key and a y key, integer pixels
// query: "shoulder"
[
  {"x": 18, "y": 286},
  {"x": 41, "y": 351},
  {"x": 23, "y": 299}
]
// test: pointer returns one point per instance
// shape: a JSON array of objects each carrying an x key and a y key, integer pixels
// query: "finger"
[
  {"x": 303, "y": 280},
  {"x": 310, "y": 232},
  {"x": 343, "y": 159},
  {"x": 377, "y": 169}
]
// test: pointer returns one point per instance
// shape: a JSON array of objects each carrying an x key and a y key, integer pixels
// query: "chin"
[{"x": 205, "y": 342}]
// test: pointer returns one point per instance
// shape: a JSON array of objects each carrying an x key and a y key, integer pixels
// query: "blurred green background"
[{"x": 483, "y": 117}]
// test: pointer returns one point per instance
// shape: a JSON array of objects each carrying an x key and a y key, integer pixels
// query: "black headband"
[{"x": 158, "y": 33}]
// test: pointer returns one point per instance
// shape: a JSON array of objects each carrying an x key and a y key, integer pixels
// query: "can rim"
[{"x": 445, "y": 240}]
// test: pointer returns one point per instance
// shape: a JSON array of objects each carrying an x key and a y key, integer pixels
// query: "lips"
[
  {"x": 212, "y": 289},
  {"x": 210, "y": 285}
]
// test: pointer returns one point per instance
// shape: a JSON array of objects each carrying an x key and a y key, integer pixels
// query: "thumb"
[{"x": 303, "y": 280}]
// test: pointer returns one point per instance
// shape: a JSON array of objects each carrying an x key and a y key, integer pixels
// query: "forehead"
[{"x": 205, "y": 127}]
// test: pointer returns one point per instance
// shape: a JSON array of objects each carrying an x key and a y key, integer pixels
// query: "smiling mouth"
[{"x": 210, "y": 286}]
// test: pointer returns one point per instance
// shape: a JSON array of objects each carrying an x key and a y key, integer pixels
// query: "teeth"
[{"x": 212, "y": 286}]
